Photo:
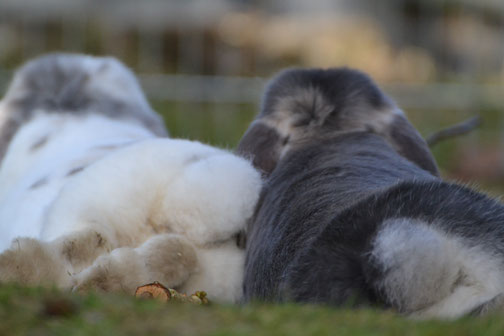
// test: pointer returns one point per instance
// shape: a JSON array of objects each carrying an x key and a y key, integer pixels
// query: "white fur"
[
  {"x": 141, "y": 208},
  {"x": 168, "y": 182},
  {"x": 220, "y": 272},
  {"x": 72, "y": 142},
  {"x": 431, "y": 274}
]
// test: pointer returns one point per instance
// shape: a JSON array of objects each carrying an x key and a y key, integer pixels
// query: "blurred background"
[{"x": 203, "y": 63}]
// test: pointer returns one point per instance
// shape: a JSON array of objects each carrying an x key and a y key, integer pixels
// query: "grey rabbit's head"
[{"x": 303, "y": 105}]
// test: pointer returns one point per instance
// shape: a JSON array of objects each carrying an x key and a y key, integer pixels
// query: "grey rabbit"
[{"x": 353, "y": 211}]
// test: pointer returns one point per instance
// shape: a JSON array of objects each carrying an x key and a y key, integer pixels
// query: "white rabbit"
[{"x": 93, "y": 196}]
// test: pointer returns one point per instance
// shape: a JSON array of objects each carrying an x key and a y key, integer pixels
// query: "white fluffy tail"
[{"x": 426, "y": 273}]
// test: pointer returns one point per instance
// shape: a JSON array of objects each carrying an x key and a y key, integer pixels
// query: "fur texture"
[
  {"x": 299, "y": 105},
  {"x": 353, "y": 213},
  {"x": 92, "y": 198},
  {"x": 58, "y": 84}
]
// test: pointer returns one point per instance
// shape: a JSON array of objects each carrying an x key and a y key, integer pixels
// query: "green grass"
[
  {"x": 218, "y": 124},
  {"x": 37, "y": 311}
]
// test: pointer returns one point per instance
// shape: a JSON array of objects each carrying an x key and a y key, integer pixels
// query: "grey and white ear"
[
  {"x": 301, "y": 105},
  {"x": 289, "y": 111},
  {"x": 409, "y": 143},
  {"x": 261, "y": 144},
  {"x": 391, "y": 123}
]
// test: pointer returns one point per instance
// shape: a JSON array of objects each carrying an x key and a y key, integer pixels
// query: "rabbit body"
[
  {"x": 94, "y": 196},
  {"x": 353, "y": 212}
]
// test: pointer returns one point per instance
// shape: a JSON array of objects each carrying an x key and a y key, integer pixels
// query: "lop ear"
[
  {"x": 262, "y": 145},
  {"x": 409, "y": 143}
]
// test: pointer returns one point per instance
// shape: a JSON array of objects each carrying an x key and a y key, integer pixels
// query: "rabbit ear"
[
  {"x": 301, "y": 105},
  {"x": 409, "y": 143},
  {"x": 262, "y": 145}
]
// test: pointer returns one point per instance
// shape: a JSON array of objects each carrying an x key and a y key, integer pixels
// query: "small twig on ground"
[{"x": 453, "y": 131}]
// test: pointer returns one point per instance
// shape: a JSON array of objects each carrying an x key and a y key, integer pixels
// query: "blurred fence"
[
  {"x": 218, "y": 108},
  {"x": 204, "y": 66},
  {"x": 248, "y": 90}
]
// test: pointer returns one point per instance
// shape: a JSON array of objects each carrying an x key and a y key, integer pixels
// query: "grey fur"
[
  {"x": 75, "y": 171},
  {"x": 59, "y": 83},
  {"x": 43, "y": 181},
  {"x": 39, "y": 143},
  {"x": 300, "y": 104},
  {"x": 492, "y": 306},
  {"x": 353, "y": 212}
]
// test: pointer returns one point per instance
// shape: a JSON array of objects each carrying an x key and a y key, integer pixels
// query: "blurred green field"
[
  {"x": 37, "y": 311},
  {"x": 220, "y": 125}
]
